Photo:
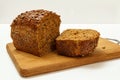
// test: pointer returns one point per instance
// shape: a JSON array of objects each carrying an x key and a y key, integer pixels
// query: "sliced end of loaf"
[{"x": 77, "y": 42}]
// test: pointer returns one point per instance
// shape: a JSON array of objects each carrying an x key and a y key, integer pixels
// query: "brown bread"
[
  {"x": 77, "y": 42},
  {"x": 35, "y": 31}
]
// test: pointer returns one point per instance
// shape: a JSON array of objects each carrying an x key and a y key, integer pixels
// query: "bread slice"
[
  {"x": 77, "y": 42},
  {"x": 35, "y": 31}
]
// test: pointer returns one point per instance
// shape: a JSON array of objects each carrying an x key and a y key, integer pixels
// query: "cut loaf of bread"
[
  {"x": 77, "y": 42},
  {"x": 35, "y": 31}
]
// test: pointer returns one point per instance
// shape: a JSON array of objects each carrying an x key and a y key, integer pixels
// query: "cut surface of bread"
[{"x": 77, "y": 42}]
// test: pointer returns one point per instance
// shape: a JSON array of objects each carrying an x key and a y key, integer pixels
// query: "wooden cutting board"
[{"x": 28, "y": 65}]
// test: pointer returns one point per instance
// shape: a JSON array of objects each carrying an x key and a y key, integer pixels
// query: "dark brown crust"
[
  {"x": 35, "y": 35},
  {"x": 75, "y": 48},
  {"x": 31, "y": 18}
]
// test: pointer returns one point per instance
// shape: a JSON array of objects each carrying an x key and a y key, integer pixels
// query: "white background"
[
  {"x": 79, "y": 12},
  {"x": 71, "y": 11},
  {"x": 107, "y": 70}
]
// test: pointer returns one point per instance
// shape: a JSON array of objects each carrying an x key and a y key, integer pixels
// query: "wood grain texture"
[{"x": 29, "y": 65}]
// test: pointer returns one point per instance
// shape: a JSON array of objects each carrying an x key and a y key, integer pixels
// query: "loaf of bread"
[
  {"x": 35, "y": 31},
  {"x": 77, "y": 42}
]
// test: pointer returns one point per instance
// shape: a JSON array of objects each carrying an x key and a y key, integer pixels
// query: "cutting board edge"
[
  {"x": 20, "y": 69},
  {"x": 36, "y": 71}
]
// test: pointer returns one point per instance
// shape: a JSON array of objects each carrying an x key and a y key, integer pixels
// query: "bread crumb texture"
[{"x": 77, "y": 42}]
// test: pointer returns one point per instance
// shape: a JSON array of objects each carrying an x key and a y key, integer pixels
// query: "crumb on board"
[{"x": 103, "y": 47}]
